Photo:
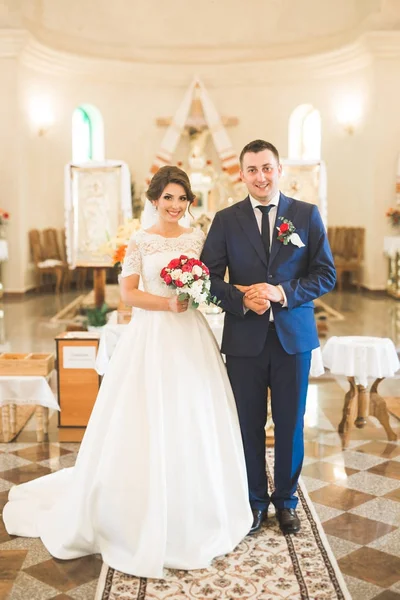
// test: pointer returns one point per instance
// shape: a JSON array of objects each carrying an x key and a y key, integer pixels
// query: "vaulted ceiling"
[{"x": 175, "y": 30}]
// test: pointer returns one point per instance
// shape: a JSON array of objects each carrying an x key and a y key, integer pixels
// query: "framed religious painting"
[
  {"x": 305, "y": 180},
  {"x": 97, "y": 201}
]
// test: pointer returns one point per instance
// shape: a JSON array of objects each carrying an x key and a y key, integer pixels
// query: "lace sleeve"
[{"x": 132, "y": 264}]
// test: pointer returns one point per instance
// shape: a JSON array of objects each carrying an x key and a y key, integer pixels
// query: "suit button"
[{"x": 269, "y": 276}]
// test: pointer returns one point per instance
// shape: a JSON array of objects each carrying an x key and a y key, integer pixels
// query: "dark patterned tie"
[{"x": 265, "y": 234}]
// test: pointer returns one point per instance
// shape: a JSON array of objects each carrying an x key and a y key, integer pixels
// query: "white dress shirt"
[{"x": 272, "y": 218}]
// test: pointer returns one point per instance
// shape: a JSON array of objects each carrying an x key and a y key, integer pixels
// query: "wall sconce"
[
  {"x": 41, "y": 115},
  {"x": 349, "y": 113}
]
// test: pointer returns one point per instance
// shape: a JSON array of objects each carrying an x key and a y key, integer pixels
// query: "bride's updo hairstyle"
[{"x": 167, "y": 175}]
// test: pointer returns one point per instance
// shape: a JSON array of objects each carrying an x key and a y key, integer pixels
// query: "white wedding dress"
[{"x": 160, "y": 478}]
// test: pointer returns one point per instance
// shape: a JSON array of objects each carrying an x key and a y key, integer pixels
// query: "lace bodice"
[{"x": 148, "y": 253}]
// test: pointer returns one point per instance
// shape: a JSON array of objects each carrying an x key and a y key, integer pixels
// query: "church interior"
[{"x": 96, "y": 97}]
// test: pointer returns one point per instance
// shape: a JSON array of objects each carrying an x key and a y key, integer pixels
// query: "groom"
[{"x": 278, "y": 257}]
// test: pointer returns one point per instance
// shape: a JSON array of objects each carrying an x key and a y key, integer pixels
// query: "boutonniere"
[{"x": 286, "y": 233}]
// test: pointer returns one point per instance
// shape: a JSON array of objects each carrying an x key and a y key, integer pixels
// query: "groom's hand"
[
  {"x": 264, "y": 291},
  {"x": 258, "y": 305}
]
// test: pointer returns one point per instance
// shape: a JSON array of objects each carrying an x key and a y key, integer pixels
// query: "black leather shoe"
[
  {"x": 258, "y": 517},
  {"x": 288, "y": 520}
]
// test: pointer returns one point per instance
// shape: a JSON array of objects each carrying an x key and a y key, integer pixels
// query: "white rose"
[
  {"x": 176, "y": 274},
  {"x": 197, "y": 270}
]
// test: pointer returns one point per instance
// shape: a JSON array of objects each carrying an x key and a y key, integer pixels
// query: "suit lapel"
[
  {"x": 247, "y": 220},
  {"x": 285, "y": 210}
]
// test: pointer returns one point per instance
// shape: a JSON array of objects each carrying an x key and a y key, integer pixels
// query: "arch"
[
  {"x": 305, "y": 133},
  {"x": 87, "y": 134}
]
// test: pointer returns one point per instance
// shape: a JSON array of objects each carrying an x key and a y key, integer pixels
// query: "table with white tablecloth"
[
  {"x": 112, "y": 331},
  {"x": 362, "y": 358},
  {"x": 27, "y": 390}
]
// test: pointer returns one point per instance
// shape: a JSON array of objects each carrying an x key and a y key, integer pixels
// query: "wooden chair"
[
  {"x": 44, "y": 265},
  {"x": 347, "y": 245},
  {"x": 53, "y": 249}
]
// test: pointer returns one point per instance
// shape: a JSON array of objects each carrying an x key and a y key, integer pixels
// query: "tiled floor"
[{"x": 355, "y": 490}]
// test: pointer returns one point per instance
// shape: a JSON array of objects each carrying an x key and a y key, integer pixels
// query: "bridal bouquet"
[{"x": 190, "y": 278}]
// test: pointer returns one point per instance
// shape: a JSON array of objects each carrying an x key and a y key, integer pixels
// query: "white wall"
[{"x": 361, "y": 167}]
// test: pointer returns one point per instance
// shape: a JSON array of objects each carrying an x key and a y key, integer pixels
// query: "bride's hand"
[{"x": 176, "y": 305}]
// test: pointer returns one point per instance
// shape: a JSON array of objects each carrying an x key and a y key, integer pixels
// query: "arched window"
[
  {"x": 305, "y": 133},
  {"x": 87, "y": 134}
]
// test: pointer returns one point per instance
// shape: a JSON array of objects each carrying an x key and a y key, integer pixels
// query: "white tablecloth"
[
  {"x": 3, "y": 250},
  {"x": 27, "y": 389},
  {"x": 112, "y": 331},
  {"x": 361, "y": 357},
  {"x": 391, "y": 245}
]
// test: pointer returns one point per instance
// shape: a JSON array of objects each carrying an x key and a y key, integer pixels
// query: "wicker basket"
[{"x": 26, "y": 364}]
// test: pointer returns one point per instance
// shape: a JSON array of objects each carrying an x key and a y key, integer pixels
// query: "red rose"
[
  {"x": 186, "y": 268},
  {"x": 174, "y": 263},
  {"x": 205, "y": 269},
  {"x": 178, "y": 283},
  {"x": 168, "y": 279},
  {"x": 196, "y": 277},
  {"x": 5, "y": 215},
  {"x": 183, "y": 258},
  {"x": 163, "y": 272},
  {"x": 284, "y": 228}
]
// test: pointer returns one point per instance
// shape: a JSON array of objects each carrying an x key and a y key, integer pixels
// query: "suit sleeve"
[
  {"x": 321, "y": 275},
  {"x": 214, "y": 255}
]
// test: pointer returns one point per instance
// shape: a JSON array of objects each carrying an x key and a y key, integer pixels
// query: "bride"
[{"x": 160, "y": 478}]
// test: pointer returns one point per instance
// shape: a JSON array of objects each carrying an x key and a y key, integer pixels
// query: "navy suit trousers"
[{"x": 287, "y": 377}]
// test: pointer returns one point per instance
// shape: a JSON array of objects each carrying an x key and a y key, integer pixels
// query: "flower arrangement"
[
  {"x": 286, "y": 233},
  {"x": 4, "y": 217},
  {"x": 394, "y": 215},
  {"x": 285, "y": 230},
  {"x": 117, "y": 245},
  {"x": 190, "y": 278}
]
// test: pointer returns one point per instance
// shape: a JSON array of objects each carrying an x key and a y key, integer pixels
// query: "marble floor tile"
[
  {"x": 387, "y": 595},
  {"x": 356, "y": 460},
  {"x": 389, "y": 543},
  {"x": 382, "y": 509},
  {"x": 10, "y": 461},
  {"x": 326, "y": 512},
  {"x": 67, "y": 575},
  {"x": 378, "y": 448},
  {"x": 394, "y": 495},
  {"x": 36, "y": 552},
  {"x": 41, "y": 452},
  {"x": 328, "y": 472},
  {"x": 361, "y": 590},
  {"x": 30, "y": 588},
  {"x": 370, "y": 483},
  {"x": 312, "y": 484},
  {"x": 390, "y": 468},
  {"x": 24, "y": 473},
  {"x": 372, "y": 566},
  {"x": 339, "y": 497},
  {"x": 357, "y": 529},
  {"x": 340, "y": 546},
  {"x": 85, "y": 592}
]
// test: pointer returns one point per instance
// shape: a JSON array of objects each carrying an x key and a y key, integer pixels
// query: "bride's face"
[{"x": 172, "y": 203}]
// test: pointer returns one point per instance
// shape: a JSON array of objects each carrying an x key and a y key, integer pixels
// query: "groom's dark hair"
[{"x": 258, "y": 146}]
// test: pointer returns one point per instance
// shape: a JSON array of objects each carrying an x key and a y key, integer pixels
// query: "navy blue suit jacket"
[{"x": 234, "y": 241}]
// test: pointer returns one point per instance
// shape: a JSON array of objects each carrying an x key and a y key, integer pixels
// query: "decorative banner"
[{"x": 226, "y": 153}]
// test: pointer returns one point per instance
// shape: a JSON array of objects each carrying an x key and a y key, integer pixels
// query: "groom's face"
[{"x": 260, "y": 171}]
